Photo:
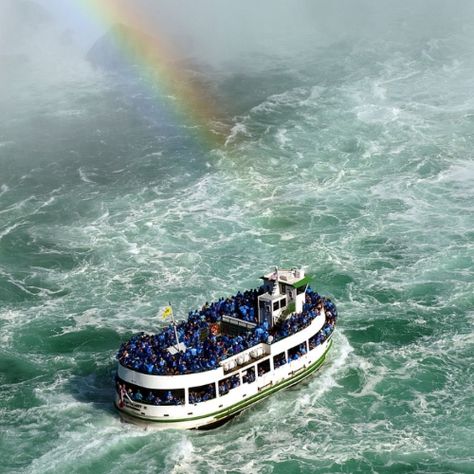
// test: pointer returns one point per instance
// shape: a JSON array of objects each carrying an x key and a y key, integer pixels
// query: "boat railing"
[{"x": 234, "y": 326}]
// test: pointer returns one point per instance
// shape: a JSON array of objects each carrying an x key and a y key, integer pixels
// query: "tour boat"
[{"x": 227, "y": 356}]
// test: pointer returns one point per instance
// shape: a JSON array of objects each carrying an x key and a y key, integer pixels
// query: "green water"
[{"x": 354, "y": 160}]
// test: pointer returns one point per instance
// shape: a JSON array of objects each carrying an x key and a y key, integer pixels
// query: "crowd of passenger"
[
  {"x": 297, "y": 352},
  {"x": 204, "y": 350},
  {"x": 150, "y": 397},
  {"x": 208, "y": 392},
  {"x": 249, "y": 375},
  {"x": 242, "y": 305},
  {"x": 295, "y": 323},
  {"x": 228, "y": 384},
  {"x": 202, "y": 394},
  {"x": 279, "y": 360}
]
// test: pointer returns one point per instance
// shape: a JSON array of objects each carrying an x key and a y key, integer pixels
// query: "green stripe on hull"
[{"x": 237, "y": 407}]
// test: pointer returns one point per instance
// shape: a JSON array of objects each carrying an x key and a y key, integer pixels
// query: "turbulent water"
[{"x": 354, "y": 160}]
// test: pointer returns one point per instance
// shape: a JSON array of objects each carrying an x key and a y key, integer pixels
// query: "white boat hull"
[{"x": 220, "y": 409}]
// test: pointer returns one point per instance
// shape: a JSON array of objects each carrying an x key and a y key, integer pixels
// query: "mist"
[
  {"x": 229, "y": 48},
  {"x": 37, "y": 48},
  {"x": 216, "y": 31},
  {"x": 45, "y": 45},
  {"x": 221, "y": 31}
]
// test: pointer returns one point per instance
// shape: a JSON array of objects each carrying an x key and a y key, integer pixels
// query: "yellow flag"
[{"x": 167, "y": 312}]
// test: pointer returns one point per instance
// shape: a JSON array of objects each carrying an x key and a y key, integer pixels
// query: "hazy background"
[
  {"x": 46, "y": 42},
  {"x": 217, "y": 30}
]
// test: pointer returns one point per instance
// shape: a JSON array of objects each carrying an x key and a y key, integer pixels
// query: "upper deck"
[{"x": 222, "y": 329}]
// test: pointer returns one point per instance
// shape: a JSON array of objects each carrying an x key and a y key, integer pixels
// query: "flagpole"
[{"x": 175, "y": 331}]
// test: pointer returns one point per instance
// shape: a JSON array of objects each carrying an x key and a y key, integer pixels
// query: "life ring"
[{"x": 214, "y": 329}]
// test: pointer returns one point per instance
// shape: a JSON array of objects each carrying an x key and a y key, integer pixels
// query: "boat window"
[
  {"x": 134, "y": 393},
  {"x": 296, "y": 352},
  {"x": 229, "y": 383},
  {"x": 202, "y": 393},
  {"x": 275, "y": 305},
  {"x": 279, "y": 360},
  {"x": 263, "y": 367},
  {"x": 300, "y": 290},
  {"x": 283, "y": 303},
  {"x": 314, "y": 341},
  {"x": 166, "y": 397},
  {"x": 248, "y": 376}
]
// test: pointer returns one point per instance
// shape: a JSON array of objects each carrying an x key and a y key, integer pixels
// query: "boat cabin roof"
[{"x": 294, "y": 277}]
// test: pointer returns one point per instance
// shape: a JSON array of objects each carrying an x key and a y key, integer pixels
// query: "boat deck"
[{"x": 208, "y": 337}]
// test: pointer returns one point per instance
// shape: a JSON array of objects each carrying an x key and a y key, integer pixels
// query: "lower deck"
[{"x": 251, "y": 384}]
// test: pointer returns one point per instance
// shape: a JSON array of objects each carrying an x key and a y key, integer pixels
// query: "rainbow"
[{"x": 185, "y": 97}]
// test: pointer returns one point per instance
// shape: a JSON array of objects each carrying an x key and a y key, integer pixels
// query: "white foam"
[
  {"x": 282, "y": 138},
  {"x": 341, "y": 354},
  {"x": 373, "y": 149},
  {"x": 460, "y": 174},
  {"x": 84, "y": 176},
  {"x": 91, "y": 441},
  {"x": 379, "y": 91},
  {"x": 181, "y": 458},
  {"x": 47, "y": 202},
  {"x": 371, "y": 114},
  {"x": 314, "y": 94},
  {"x": 154, "y": 154},
  {"x": 238, "y": 129},
  {"x": 290, "y": 98},
  {"x": 18, "y": 205},
  {"x": 373, "y": 376},
  {"x": 9, "y": 229},
  {"x": 4, "y": 189}
]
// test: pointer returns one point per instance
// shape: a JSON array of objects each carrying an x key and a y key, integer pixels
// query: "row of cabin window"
[
  {"x": 276, "y": 304},
  {"x": 283, "y": 302},
  {"x": 208, "y": 391},
  {"x": 248, "y": 376}
]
